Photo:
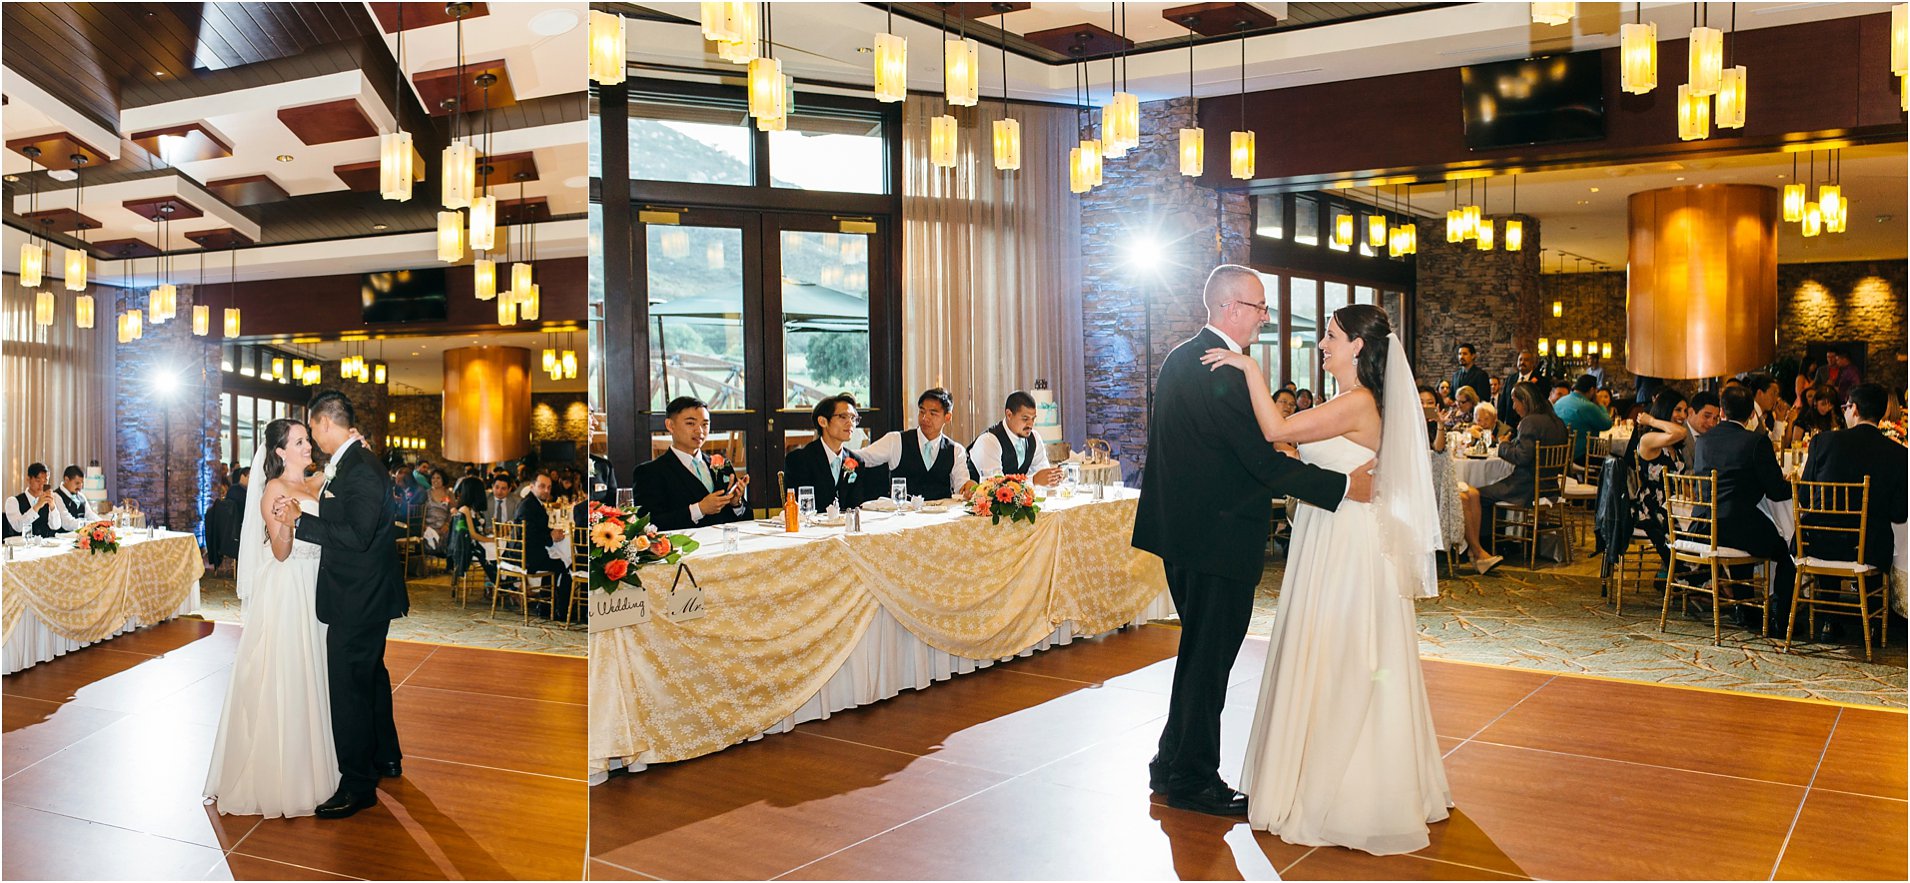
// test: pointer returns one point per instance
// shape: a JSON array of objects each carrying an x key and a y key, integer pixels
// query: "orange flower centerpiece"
[
  {"x": 98, "y": 538},
  {"x": 622, "y": 540},
  {"x": 1004, "y": 496}
]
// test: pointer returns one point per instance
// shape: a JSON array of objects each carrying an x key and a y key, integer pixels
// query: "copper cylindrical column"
[
  {"x": 1702, "y": 298},
  {"x": 487, "y": 404}
]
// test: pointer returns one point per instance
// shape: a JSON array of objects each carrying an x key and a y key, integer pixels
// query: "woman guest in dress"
[
  {"x": 1657, "y": 450},
  {"x": 1824, "y": 412},
  {"x": 1537, "y": 426}
]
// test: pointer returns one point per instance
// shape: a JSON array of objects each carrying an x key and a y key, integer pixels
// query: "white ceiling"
[
  {"x": 829, "y": 42},
  {"x": 539, "y": 65}
]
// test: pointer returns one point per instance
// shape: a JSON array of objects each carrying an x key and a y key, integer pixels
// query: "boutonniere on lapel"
[
  {"x": 721, "y": 466},
  {"x": 848, "y": 469}
]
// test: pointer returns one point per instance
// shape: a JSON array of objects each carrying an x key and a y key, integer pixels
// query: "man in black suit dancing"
[
  {"x": 684, "y": 487},
  {"x": 1207, "y": 492},
  {"x": 360, "y": 591}
]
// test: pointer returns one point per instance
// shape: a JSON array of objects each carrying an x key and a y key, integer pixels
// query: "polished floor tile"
[
  {"x": 59, "y": 679},
  {"x": 244, "y": 867},
  {"x": 1465, "y": 698},
  {"x": 36, "y": 729},
  {"x": 792, "y": 799},
  {"x": 47, "y": 846},
  {"x": 602, "y": 870},
  {"x": 1846, "y": 837},
  {"x": 1755, "y": 737},
  {"x": 525, "y": 735},
  {"x": 1327, "y": 863},
  {"x": 502, "y": 673},
  {"x": 1136, "y": 659},
  {"x": 1866, "y": 755}
]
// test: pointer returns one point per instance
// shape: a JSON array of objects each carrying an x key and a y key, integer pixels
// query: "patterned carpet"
[
  {"x": 1553, "y": 619},
  {"x": 436, "y": 618}
]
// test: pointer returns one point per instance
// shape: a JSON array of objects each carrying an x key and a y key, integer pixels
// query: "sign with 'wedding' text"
[{"x": 614, "y": 610}]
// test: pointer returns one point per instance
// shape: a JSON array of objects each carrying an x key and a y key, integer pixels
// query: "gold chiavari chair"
[
  {"x": 1545, "y": 513},
  {"x": 579, "y": 573},
  {"x": 1581, "y": 483},
  {"x": 1834, "y": 513},
  {"x": 514, "y": 577},
  {"x": 1694, "y": 540}
]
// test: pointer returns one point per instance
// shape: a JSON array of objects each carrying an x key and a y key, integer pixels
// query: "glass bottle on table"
[{"x": 792, "y": 522}]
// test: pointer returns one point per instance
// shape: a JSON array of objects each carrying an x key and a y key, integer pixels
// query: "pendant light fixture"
[
  {"x": 1794, "y": 196},
  {"x": 1514, "y": 228},
  {"x": 569, "y": 360},
  {"x": 1835, "y": 207},
  {"x": 771, "y": 95},
  {"x": 1469, "y": 216},
  {"x": 1343, "y": 229},
  {"x": 1455, "y": 218},
  {"x": 460, "y": 156},
  {"x": 483, "y": 205},
  {"x": 162, "y": 302},
  {"x": 607, "y": 47},
  {"x": 1193, "y": 141},
  {"x": 76, "y": 257},
  {"x": 961, "y": 68},
  {"x": 1121, "y": 119},
  {"x": 1733, "y": 86},
  {"x": 32, "y": 254},
  {"x": 892, "y": 63},
  {"x": 1080, "y": 176},
  {"x": 1007, "y": 129},
  {"x": 942, "y": 129},
  {"x": 201, "y": 313},
  {"x": 1483, "y": 235},
  {"x": 1553, "y": 13},
  {"x": 1410, "y": 230},
  {"x": 1706, "y": 55},
  {"x": 484, "y": 278},
  {"x": 741, "y": 28},
  {"x": 450, "y": 236},
  {"x": 1900, "y": 39},
  {"x": 523, "y": 301},
  {"x": 1376, "y": 224},
  {"x": 1241, "y": 150},
  {"x": 394, "y": 147},
  {"x": 1694, "y": 114},
  {"x": 232, "y": 290},
  {"x": 1638, "y": 53}
]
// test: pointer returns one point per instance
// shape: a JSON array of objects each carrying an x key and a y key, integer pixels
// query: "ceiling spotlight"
[
  {"x": 554, "y": 22},
  {"x": 1594, "y": 189},
  {"x": 285, "y": 157},
  {"x": 382, "y": 226},
  {"x": 12, "y": 178}
]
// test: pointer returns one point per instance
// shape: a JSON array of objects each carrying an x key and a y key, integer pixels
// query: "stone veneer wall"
[
  {"x": 1593, "y": 307},
  {"x": 1489, "y": 299},
  {"x": 1145, "y": 196},
  {"x": 1845, "y": 301},
  {"x": 167, "y": 440}
]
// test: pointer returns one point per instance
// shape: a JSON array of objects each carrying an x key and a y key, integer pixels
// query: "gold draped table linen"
[
  {"x": 784, "y": 615},
  {"x": 87, "y": 597}
]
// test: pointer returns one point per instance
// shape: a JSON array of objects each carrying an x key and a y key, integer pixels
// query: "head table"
[
  {"x": 56, "y": 599},
  {"x": 799, "y": 626}
]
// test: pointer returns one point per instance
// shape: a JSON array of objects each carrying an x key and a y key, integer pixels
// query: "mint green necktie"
[
  {"x": 928, "y": 453},
  {"x": 702, "y": 473},
  {"x": 835, "y": 466}
]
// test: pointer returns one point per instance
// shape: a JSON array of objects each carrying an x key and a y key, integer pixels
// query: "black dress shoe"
[
  {"x": 1215, "y": 800},
  {"x": 390, "y": 770},
  {"x": 343, "y": 805}
]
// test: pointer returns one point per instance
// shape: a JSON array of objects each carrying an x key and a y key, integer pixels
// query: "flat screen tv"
[
  {"x": 1542, "y": 100},
  {"x": 396, "y": 296}
]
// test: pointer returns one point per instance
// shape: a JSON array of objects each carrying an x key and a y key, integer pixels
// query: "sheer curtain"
[
  {"x": 991, "y": 295},
  {"x": 57, "y": 384}
]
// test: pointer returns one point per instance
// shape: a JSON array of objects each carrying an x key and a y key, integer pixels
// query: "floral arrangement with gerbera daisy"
[
  {"x": 1004, "y": 496},
  {"x": 622, "y": 540},
  {"x": 98, "y": 538}
]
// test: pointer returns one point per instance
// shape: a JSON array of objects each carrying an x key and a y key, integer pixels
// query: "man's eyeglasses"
[{"x": 1261, "y": 306}]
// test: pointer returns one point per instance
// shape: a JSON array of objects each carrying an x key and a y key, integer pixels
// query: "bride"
[
  {"x": 274, "y": 755},
  {"x": 1342, "y": 751}
]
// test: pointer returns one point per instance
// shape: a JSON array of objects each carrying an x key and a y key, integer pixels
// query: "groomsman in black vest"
[
  {"x": 75, "y": 510},
  {"x": 1012, "y": 447},
  {"x": 32, "y": 512},
  {"x": 836, "y": 473},
  {"x": 684, "y": 487},
  {"x": 934, "y": 465}
]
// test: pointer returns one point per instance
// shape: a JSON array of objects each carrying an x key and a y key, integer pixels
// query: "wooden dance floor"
[
  {"x": 106, "y": 752},
  {"x": 1037, "y": 769}
]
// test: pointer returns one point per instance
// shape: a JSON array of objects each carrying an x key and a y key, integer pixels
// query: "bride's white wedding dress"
[
  {"x": 274, "y": 755},
  {"x": 1342, "y": 751}
]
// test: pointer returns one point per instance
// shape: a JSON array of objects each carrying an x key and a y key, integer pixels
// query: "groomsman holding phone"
[{"x": 685, "y": 488}]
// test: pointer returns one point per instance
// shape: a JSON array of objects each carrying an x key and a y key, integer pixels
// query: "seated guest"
[
  {"x": 1560, "y": 389},
  {"x": 1747, "y": 475},
  {"x": 32, "y": 512},
  {"x": 75, "y": 511},
  {"x": 1851, "y": 455},
  {"x": 827, "y": 465},
  {"x": 1487, "y": 425},
  {"x": 1303, "y": 400},
  {"x": 526, "y": 478},
  {"x": 1465, "y": 403},
  {"x": 684, "y": 487},
  {"x": 1701, "y": 413},
  {"x": 469, "y": 529},
  {"x": 1012, "y": 447},
  {"x": 1429, "y": 403},
  {"x": 1286, "y": 400},
  {"x": 538, "y": 535},
  {"x": 1655, "y": 452},
  {"x": 1602, "y": 397},
  {"x": 1768, "y": 405},
  {"x": 437, "y": 502},
  {"x": 1445, "y": 393},
  {"x": 1821, "y": 413},
  {"x": 1537, "y": 426},
  {"x": 934, "y": 465},
  {"x": 1581, "y": 414}
]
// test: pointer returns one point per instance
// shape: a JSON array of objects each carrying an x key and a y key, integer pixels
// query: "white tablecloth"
[
  {"x": 33, "y": 641},
  {"x": 754, "y": 595},
  {"x": 1480, "y": 472}
]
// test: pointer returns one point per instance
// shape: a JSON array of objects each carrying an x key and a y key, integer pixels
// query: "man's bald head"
[{"x": 1236, "y": 302}]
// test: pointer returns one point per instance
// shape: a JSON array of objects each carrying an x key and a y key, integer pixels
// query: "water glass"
[
  {"x": 729, "y": 537},
  {"x": 899, "y": 492},
  {"x": 626, "y": 497},
  {"x": 806, "y": 503}
]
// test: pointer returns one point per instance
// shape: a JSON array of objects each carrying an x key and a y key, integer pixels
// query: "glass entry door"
[{"x": 760, "y": 315}]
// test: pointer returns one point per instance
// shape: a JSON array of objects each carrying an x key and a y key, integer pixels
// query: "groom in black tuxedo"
[
  {"x": 1207, "y": 492},
  {"x": 360, "y": 591}
]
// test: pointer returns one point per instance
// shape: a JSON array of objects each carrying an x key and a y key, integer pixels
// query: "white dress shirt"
[
  {"x": 690, "y": 462},
  {"x": 986, "y": 452},
  {"x": 22, "y": 520},
  {"x": 64, "y": 520},
  {"x": 887, "y": 451}
]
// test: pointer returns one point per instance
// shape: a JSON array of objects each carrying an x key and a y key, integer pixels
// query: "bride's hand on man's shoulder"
[{"x": 1219, "y": 356}]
